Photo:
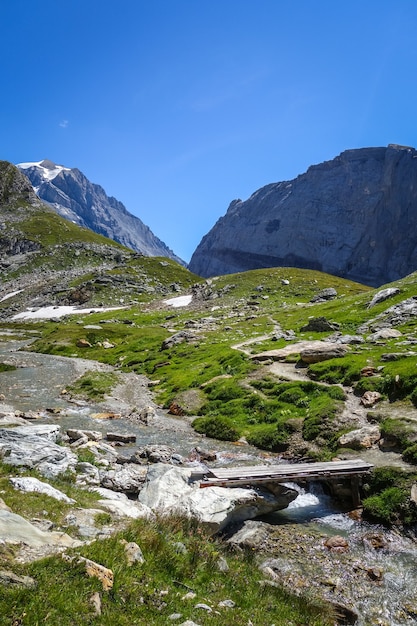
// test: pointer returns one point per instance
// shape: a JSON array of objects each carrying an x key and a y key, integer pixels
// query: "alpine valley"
[{"x": 126, "y": 379}]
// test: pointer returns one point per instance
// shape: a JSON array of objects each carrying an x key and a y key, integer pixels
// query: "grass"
[
  {"x": 149, "y": 593},
  {"x": 36, "y": 505},
  {"x": 93, "y": 385},
  {"x": 6, "y": 367}
]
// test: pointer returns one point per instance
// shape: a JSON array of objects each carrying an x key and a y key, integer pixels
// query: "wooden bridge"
[{"x": 296, "y": 472}]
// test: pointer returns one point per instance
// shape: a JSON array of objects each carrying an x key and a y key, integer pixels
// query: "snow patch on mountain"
[{"x": 48, "y": 170}]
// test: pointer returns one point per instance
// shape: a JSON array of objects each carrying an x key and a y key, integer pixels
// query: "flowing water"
[{"x": 381, "y": 583}]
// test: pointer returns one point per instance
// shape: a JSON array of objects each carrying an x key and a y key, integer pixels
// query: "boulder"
[
  {"x": 323, "y": 352},
  {"x": 15, "y": 529},
  {"x": 127, "y": 508},
  {"x": 127, "y": 478},
  {"x": 319, "y": 325},
  {"x": 181, "y": 337},
  {"x": 169, "y": 490},
  {"x": 87, "y": 474},
  {"x": 362, "y": 438},
  {"x": 52, "y": 432},
  {"x": 13, "y": 581},
  {"x": 384, "y": 333},
  {"x": 121, "y": 437},
  {"x": 92, "y": 435},
  {"x": 383, "y": 295},
  {"x": 336, "y": 542},
  {"x": 251, "y": 534},
  {"x": 154, "y": 453},
  {"x": 20, "y": 446},
  {"x": 33, "y": 485},
  {"x": 325, "y": 294},
  {"x": 370, "y": 398}
]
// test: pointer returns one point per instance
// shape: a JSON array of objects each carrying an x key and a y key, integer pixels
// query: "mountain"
[
  {"x": 354, "y": 216},
  {"x": 74, "y": 197},
  {"x": 46, "y": 260}
]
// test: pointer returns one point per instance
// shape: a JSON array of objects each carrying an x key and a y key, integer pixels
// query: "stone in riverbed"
[
  {"x": 370, "y": 398},
  {"x": 169, "y": 490},
  {"x": 92, "y": 435},
  {"x": 361, "y": 438},
  {"x": 121, "y": 437}
]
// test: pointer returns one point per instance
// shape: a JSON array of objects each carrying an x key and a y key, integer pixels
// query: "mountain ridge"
[
  {"x": 73, "y": 196},
  {"x": 352, "y": 216}
]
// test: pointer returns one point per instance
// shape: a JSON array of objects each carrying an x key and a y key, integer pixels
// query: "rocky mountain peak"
[
  {"x": 353, "y": 216},
  {"x": 69, "y": 192}
]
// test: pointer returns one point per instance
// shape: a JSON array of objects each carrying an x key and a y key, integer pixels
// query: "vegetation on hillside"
[{"x": 209, "y": 372}]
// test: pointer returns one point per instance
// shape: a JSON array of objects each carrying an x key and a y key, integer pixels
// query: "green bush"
[
  {"x": 346, "y": 370},
  {"x": 225, "y": 390},
  {"x": 274, "y": 439},
  {"x": 384, "y": 477},
  {"x": 410, "y": 454},
  {"x": 388, "y": 496},
  {"x": 317, "y": 422},
  {"x": 387, "y": 506},
  {"x": 397, "y": 430},
  {"x": 5, "y": 367},
  {"x": 336, "y": 393},
  {"x": 294, "y": 395},
  {"x": 216, "y": 427}
]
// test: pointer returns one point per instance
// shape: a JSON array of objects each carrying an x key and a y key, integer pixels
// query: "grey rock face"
[
  {"x": 25, "y": 447},
  {"x": 353, "y": 217},
  {"x": 75, "y": 198}
]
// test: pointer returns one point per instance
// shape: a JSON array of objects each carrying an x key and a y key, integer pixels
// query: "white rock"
[
  {"x": 33, "y": 485},
  {"x": 168, "y": 490},
  {"x": 127, "y": 508},
  {"x": 15, "y": 529}
]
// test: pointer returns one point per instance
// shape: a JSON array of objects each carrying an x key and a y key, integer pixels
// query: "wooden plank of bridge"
[{"x": 285, "y": 472}]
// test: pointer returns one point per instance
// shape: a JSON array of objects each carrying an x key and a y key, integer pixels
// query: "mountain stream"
[{"x": 374, "y": 572}]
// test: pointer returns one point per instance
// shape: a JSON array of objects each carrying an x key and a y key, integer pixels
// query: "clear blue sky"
[{"x": 176, "y": 107}]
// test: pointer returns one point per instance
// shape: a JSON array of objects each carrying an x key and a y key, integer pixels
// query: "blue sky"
[{"x": 177, "y": 107}]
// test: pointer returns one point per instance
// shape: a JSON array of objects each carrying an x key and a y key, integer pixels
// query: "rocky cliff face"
[
  {"x": 354, "y": 216},
  {"x": 74, "y": 197}
]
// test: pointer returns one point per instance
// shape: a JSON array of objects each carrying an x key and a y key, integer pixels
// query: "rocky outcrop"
[
  {"x": 75, "y": 198},
  {"x": 31, "y": 447},
  {"x": 14, "y": 185},
  {"x": 353, "y": 217},
  {"x": 170, "y": 490}
]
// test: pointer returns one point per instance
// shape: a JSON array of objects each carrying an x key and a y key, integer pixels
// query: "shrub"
[
  {"x": 216, "y": 427},
  {"x": 386, "y": 507},
  {"x": 294, "y": 395},
  {"x": 336, "y": 393},
  {"x": 225, "y": 390},
  {"x": 345, "y": 370},
  {"x": 318, "y": 420},
  {"x": 397, "y": 430},
  {"x": 274, "y": 439},
  {"x": 5, "y": 367},
  {"x": 410, "y": 454}
]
